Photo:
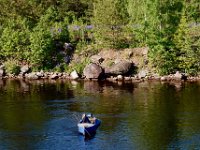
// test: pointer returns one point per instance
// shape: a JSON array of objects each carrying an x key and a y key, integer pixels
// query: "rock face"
[
  {"x": 119, "y": 68},
  {"x": 92, "y": 71}
]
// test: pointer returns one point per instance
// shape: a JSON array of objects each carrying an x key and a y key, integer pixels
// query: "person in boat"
[
  {"x": 88, "y": 118},
  {"x": 92, "y": 118},
  {"x": 85, "y": 119}
]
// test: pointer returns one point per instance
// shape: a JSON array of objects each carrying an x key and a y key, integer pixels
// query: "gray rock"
[
  {"x": 60, "y": 74},
  {"x": 96, "y": 59},
  {"x": 156, "y": 76},
  {"x": 40, "y": 74},
  {"x": 54, "y": 76},
  {"x": 120, "y": 77},
  {"x": 142, "y": 73},
  {"x": 24, "y": 69},
  {"x": 2, "y": 67},
  {"x": 119, "y": 68},
  {"x": 92, "y": 71},
  {"x": 178, "y": 75},
  {"x": 163, "y": 78},
  {"x": 32, "y": 76},
  {"x": 127, "y": 78},
  {"x": 74, "y": 75}
]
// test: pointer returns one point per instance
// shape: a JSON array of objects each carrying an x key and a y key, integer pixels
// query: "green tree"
[
  {"x": 109, "y": 17},
  {"x": 187, "y": 59},
  {"x": 47, "y": 40},
  {"x": 156, "y": 23}
]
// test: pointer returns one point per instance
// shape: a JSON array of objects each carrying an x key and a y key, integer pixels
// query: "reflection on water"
[{"x": 147, "y": 115}]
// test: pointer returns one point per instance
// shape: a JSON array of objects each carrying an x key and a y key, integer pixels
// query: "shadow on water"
[{"x": 148, "y": 115}]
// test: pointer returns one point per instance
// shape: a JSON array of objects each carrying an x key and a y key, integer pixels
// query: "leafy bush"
[
  {"x": 79, "y": 67},
  {"x": 41, "y": 54},
  {"x": 61, "y": 67},
  {"x": 162, "y": 59},
  {"x": 47, "y": 40},
  {"x": 14, "y": 40},
  {"x": 12, "y": 67}
]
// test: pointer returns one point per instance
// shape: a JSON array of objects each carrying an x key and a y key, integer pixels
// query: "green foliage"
[
  {"x": 12, "y": 67},
  {"x": 61, "y": 67},
  {"x": 14, "y": 40},
  {"x": 162, "y": 59},
  {"x": 36, "y": 32},
  {"x": 41, "y": 48},
  {"x": 59, "y": 32},
  {"x": 42, "y": 43},
  {"x": 79, "y": 67},
  {"x": 77, "y": 30},
  {"x": 47, "y": 40},
  {"x": 110, "y": 16},
  {"x": 186, "y": 55}
]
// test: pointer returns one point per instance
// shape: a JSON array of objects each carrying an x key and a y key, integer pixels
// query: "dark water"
[{"x": 149, "y": 115}]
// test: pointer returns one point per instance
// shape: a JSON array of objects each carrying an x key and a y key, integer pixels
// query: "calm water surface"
[{"x": 142, "y": 116}]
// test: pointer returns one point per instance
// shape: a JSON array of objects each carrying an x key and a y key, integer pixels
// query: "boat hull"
[{"x": 88, "y": 128}]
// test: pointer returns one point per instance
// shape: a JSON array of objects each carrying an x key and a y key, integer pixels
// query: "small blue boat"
[{"x": 88, "y": 125}]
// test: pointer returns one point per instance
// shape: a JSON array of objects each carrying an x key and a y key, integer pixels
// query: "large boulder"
[
  {"x": 119, "y": 68},
  {"x": 92, "y": 71},
  {"x": 96, "y": 59}
]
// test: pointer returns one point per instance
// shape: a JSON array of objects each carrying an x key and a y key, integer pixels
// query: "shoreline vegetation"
[{"x": 112, "y": 40}]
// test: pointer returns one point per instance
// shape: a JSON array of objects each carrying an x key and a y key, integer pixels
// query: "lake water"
[{"x": 40, "y": 115}]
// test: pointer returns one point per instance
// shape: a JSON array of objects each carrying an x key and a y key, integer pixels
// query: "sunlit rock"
[
  {"x": 120, "y": 77},
  {"x": 40, "y": 74},
  {"x": 96, "y": 59},
  {"x": 142, "y": 73},
  {"x": 119, "y": 68},
  {"x": 54, "y": 76},
  {"x": 92, "y": 71},
  {"x": 74, "y": 75},
  {"x": 32, "y": 76},
  {"x": 24, "y": 69},
  {"x": 1, "y": 72}
]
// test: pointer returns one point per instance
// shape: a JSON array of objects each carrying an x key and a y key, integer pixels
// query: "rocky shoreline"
[
  {"x": 128, "y": 65},
  {"x": 119, "y": 78}
]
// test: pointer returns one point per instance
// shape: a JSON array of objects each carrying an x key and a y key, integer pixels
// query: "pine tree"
[{"x": 186, "y": 56}]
